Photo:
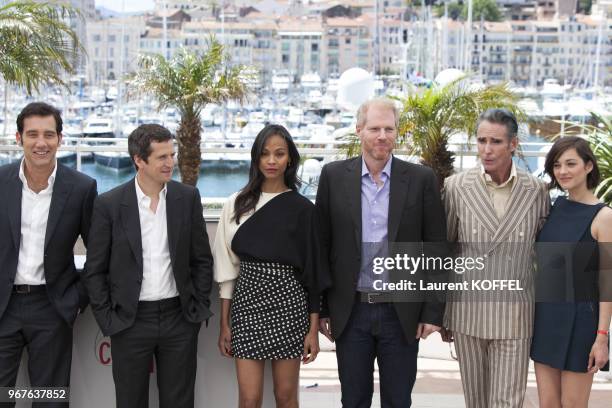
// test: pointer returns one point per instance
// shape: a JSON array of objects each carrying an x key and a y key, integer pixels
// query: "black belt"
[
  {"x": 375, "y": 297},
  {"x": 25, "y": 289}
]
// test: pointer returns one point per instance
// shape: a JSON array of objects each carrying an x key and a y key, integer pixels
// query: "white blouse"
[{"x": 226, "y": 264}]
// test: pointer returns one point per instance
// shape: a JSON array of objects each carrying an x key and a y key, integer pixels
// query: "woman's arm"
[
  {"x": 225, "y": 333},
  {"x": 311, "y": 341},
  {"x": 602, "y": 231}
]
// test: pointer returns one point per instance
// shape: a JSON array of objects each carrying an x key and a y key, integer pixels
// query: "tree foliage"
[
  {"x": 599, "y": 136},
  {"x": 189, "y": 81},
  {"x": 486, "y": 8},
  {"x": 37, "y": 46},
  {"x": 430, "y": 117}
]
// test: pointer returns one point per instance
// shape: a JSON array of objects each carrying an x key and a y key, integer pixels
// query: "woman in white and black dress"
[{"x": 267, "y": 263}]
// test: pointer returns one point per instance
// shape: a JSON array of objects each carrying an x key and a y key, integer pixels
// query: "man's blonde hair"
[{"x": 362, "y": 112}]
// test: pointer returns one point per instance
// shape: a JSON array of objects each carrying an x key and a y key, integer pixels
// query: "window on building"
[
  {"x": 285, "y": 58},
  {"x": 112, "y": 38},
  {"x": 97, "y": 37},
  {"x": 314, "y": 47},
  {"x": 347, "y": 40},
  {"x": 314, "y": 62}
]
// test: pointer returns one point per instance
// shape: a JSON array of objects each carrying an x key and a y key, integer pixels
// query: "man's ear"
[
  {"x": 514, "y": 143},
  {"x": 138, "y": 161},
  {"x": 18, "y": 138}
]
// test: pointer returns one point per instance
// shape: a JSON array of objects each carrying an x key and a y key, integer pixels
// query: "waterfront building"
[
  {"x": 535, "y": 42},
  {"x": 109, "y": 53}
]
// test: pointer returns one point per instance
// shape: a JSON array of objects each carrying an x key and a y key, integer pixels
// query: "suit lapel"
[
  {"x": 521, "y": 198},
  {"x": 398, "y": 190},
  {"x": 130, "y": 220},
  {"x": 476, "y": 197},
  {"x": 61, "y": 192},
  {"x": 173, "y": 218},
  {"x": 14, "y": 207},
  {"x": 352, "y": 187}
]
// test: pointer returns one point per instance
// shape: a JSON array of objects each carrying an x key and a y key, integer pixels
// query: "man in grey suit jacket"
[
  {"x": 45, "y": 207},
  {"x": 494, "y": 211},
  {"x": 149, "y": 275}
]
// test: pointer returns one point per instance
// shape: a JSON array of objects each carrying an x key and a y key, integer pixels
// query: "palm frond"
[{"x": 37, "y": 46}]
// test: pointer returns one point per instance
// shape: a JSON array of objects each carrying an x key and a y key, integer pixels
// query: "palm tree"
[
  {"x": 37, "y": 46},
  {"x": 428, "y": 119},
  {"x": 189, "y": 81}
]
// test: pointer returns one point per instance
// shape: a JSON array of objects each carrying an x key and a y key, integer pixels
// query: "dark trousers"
[
  {"x": 31, "y": 321},
  {"x": 159, "y": 331},
  {"x": 374, "y": 331}
]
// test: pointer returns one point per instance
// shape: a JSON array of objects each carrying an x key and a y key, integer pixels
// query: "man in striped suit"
[{"x": 494, "y": 212}]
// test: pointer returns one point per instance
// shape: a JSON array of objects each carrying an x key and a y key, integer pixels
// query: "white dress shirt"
[
  {"x": 34, "y": 216},
  {"x": 157, "y": 277}
]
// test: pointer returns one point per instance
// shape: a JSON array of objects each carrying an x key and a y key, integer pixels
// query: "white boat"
[
  {"x": 310, "y": 81},
  {"x": 99, "y": 127},
  {"x": 551, "y": 89},
  {"x": 113, "y": 160},
  {"x": 225, "y": 161},
  {"x": 281, "y": 81},
  {"x": 295, "y": 116}
]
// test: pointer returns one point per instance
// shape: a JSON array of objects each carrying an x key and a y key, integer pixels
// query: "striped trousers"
[{"x": 493, "y": 372}]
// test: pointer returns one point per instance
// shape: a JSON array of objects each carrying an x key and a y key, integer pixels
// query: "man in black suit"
[
  {"x": 45, "y": 206},
  {"x": 365, "y": 204},
  {"x": 149, "y": 275}
]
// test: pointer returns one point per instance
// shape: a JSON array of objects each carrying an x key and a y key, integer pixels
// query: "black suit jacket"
[
  {"x": 114, "y": 258},
  {"x": 69, "y": 216},
  {"x": 415, "y": 215}
]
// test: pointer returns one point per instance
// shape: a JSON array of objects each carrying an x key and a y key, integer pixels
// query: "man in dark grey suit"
[
  {"x": 149, "y": 275},
  {"x": 45, "y": 206},
  {"x": 365, "y": 203}
]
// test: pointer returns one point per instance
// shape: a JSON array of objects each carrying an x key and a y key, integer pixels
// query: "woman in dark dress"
[
  {"x": 572, "y": 314},
  {"x": 267, "y": 263}
]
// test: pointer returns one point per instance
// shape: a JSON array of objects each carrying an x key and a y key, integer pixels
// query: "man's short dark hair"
[
  {"x": 500, "y": 117},
  {"x": 39, "y": 109},
  {"x": 139, "y": 141}
]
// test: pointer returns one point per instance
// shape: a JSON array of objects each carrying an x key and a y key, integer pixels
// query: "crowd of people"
[{"x": 288, "y": 270}]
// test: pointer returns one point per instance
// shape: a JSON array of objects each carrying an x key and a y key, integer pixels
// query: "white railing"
[{"x": 331, "y": 149}]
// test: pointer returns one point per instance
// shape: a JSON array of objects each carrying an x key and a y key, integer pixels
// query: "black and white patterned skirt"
[{"x": 269, "y": 314}]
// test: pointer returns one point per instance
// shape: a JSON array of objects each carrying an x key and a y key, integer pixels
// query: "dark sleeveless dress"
[{"x": 567, "y": 295}]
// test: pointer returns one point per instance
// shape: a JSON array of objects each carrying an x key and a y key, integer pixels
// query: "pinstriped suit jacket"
[{"x": 504, "y": 244}]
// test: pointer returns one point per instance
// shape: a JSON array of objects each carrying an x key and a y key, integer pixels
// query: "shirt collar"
[
  {"x": 140, "y": 195},
  {"x": 50, "y": 180},
  {"x": 487, "y": 178},
  {"x": 386, "y": 170}
]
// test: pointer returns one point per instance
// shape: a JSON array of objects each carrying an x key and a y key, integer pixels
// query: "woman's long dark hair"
[{"x": 249, "y": 195}]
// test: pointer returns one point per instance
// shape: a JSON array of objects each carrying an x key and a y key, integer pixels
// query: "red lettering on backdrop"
[{"x": 103, "y": 357}]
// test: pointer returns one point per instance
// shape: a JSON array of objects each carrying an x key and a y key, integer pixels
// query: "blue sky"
[{"x": 130, "y": 5}]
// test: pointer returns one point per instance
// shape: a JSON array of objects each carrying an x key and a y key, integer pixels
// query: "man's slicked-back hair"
[
  {"x": 39, "y": 109},
  {"x": 501, "y": 117},
  {"x": 139, "y": 141}
]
